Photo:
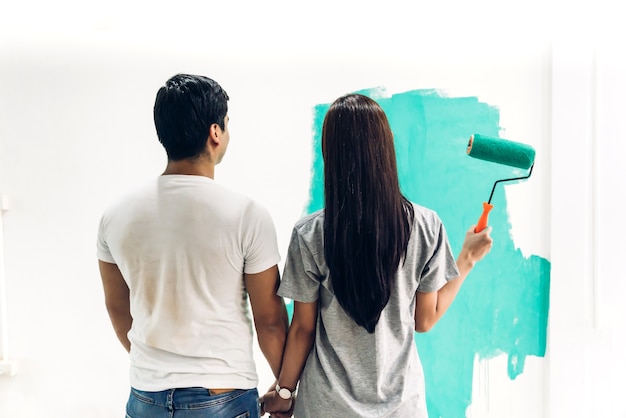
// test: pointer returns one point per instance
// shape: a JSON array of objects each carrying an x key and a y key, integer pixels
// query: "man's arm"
[
  {"x": 117, "y": 301},
  {"x": 299, "y": 343},
  {"x": 270, "y": 315},
  {"x": 431, "y": 306}
]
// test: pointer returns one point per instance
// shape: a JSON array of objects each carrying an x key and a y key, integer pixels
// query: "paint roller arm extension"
[
  {"x": 431, "y": 306},
  {"x": 116, "y": 298}
]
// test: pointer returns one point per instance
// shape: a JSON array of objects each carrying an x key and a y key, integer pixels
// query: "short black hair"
[{"x": 184, "y": 110}]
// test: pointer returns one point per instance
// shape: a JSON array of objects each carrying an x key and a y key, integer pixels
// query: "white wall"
[
  {"x": 587, "y": 338},
  {"x": 77, "y": 86}
]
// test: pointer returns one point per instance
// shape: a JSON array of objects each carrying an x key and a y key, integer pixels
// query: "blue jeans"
[{"x": 193, "y": 403}]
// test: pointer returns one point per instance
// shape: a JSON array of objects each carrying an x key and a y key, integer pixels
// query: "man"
[{"x": 177, "y": 258}]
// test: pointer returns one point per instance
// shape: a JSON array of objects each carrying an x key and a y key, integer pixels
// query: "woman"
[{"x": 365, "y": 273}]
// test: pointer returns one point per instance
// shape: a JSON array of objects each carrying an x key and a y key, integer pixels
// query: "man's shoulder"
[{"x": 131, "y": 193}]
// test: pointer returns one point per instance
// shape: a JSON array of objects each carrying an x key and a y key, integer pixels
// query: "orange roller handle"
[{"x": 482, "y": 221}]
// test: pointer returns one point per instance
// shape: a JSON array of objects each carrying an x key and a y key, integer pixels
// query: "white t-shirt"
[{"x": 182, "y": 244}]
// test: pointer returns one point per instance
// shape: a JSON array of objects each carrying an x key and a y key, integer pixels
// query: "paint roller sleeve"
[{"x": 501, "y": 151}]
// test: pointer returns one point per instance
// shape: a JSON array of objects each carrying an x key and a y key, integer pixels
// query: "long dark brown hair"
[{"x": 368, "y": 221}]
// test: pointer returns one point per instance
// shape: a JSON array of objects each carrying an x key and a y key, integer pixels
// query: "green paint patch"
[{"x": 503, "y": 306}]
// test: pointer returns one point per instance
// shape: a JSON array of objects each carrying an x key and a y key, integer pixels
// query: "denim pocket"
[
  {"x": 140, "y": 397},
  {"x": 216, "y": 400}
]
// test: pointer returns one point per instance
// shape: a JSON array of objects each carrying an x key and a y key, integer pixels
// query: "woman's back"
[{"x": 362, "y": 374}]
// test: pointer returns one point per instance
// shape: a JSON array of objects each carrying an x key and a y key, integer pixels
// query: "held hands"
[{"x": 276, "y": 406}]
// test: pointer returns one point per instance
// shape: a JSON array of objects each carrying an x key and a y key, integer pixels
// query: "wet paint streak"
[{"x": 503, "y": 306}]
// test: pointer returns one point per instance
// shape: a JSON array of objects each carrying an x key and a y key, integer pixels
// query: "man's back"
[
  {"x": 183, "y": 243},
  {"x": 178, "y": 260}
]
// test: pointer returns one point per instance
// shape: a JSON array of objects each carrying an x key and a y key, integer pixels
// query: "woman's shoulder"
[
  {"x": 309, "y": 222},
  {"x": 309, "y": 231},
  {"x": 422, "y": 215}
]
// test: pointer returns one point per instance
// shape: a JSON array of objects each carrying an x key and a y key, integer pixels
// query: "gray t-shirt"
[{"x": 349, "y": 372}]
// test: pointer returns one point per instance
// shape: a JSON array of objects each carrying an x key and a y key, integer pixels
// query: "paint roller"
[{"x": 500, "y": 151}]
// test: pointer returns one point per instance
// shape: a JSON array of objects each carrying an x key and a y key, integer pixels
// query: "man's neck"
[{"x": 191, "y": 167}]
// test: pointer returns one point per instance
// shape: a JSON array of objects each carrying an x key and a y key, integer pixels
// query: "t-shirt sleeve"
[
  {"x": 441, "y": 267},
  {"x": 301, "y": 278},
  {"x": 102, "y": 248},
  {"x": 260, "y": 245}
]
